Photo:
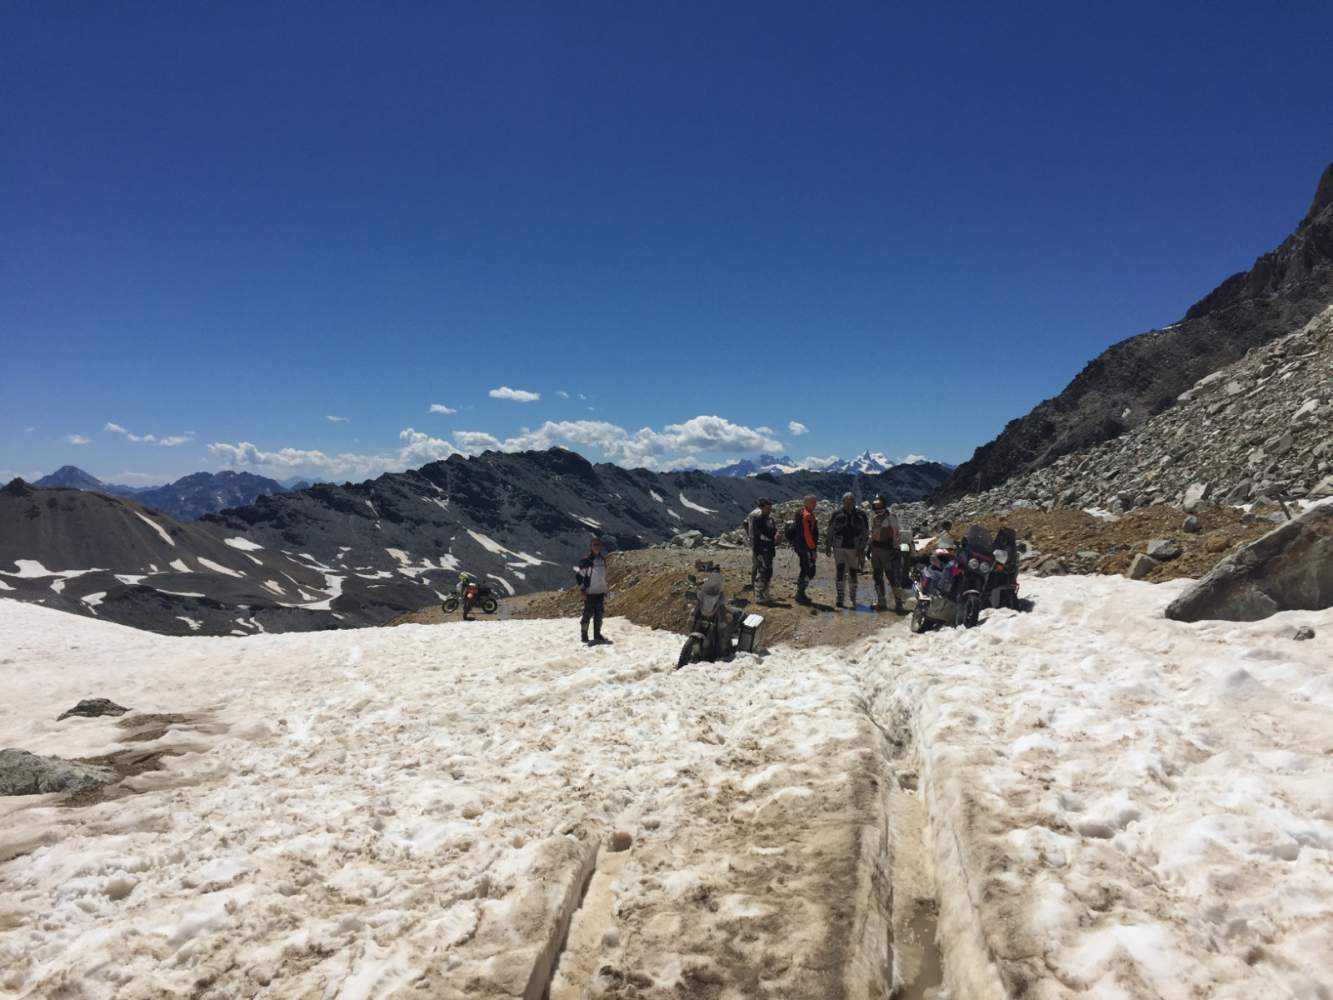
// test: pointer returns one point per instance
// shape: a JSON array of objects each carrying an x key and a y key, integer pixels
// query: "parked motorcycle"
[
  {"x": 983, "y": 573},
  {"x": 717, "y": 630},
  {"x": 482, "y": 597}
]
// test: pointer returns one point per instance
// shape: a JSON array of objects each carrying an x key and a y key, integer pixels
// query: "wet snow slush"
[{"x": 1085, "y": 801}]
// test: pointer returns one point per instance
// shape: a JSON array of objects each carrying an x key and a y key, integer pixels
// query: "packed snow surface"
[{"x": 1119, "y": 807}]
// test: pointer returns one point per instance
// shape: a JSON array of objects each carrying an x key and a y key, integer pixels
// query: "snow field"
[
  {"x": 1124, "y": 806},
  {"x": 1116, "y": 806},
  {"x": 414, "y": 811}
]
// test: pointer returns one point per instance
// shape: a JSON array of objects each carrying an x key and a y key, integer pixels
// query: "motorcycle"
[
  {"x": 983, "y": 574},
  {"x": 1002, "y": 583},
  {"x": 717, "y": 631},
  {"x": 482, "y": 597}
]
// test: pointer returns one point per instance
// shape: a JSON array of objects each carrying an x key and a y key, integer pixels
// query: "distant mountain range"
[
  {"x": 187, "y": 498},
  {"x": 867, "y": 463},
  {"x": 359, "y": 554}
]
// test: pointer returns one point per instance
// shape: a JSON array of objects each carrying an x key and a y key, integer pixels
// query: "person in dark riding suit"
[
  {"x": 848, "y": 532},
  {"x": 763, "y": 532}
]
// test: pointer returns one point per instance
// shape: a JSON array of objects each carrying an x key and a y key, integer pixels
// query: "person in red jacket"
[{"x": 806, "y": 545}]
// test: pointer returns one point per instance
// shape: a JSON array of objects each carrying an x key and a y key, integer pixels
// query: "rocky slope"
[
  {"x": 1143, "y": 376},
  {"x": 114, "y": 559},
  {"x": 1259, "y": 428}
]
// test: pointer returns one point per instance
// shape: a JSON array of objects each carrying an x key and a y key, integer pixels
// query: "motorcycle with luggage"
[{"x": 717, "y": 631}]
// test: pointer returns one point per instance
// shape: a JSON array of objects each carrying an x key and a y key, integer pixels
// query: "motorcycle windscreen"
[
  {"x": 978, "y": 539},
  {"x": 710, "y": 597}
]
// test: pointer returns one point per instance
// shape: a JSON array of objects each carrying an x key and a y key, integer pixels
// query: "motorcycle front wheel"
[
  {"x": 971, "y": 611},
  {"x": 489, "y": 605},
  {"x": 689, "y": 653},
  {"x": 918, "y": 624}
]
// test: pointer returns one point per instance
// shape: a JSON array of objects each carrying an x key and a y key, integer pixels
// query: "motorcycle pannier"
[{"x": 747, "y": 634}]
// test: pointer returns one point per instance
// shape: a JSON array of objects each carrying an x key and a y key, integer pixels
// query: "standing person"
[
  {"x": 885, "y": 559},
  {"x": 805, "y": 540},
  {"x": 591, "y": 576},
  {"x": 467, "y": 592},
  {"x": 763, "y": 531},
  {"x": 848, "y": 532}
]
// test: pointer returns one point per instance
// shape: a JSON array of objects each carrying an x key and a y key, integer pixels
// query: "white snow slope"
[{"x": 1119, "y": 806}]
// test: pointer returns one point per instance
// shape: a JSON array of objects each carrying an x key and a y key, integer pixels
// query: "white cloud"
[
  {"x": 562, "y": 394},
  {"x": 517, "y": 395},
  {"x": 441, "y": 408},
  {"x": 336, "y": 420},
  {"x": 29, "y": 430},
  {"x": 78, "y": 439},
  {"x": 416, "y": 449},
  {"x": 167, "y": 441},
  {"x": 816, "y": 463},
  {"x": 675, "y": 446},
  {"x": 797, "y": 428}
]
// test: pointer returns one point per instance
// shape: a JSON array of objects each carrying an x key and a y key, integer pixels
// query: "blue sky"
[{"x": 896, "y": 225}]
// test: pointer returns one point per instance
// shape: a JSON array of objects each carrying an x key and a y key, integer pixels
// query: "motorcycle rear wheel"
[
  {"x": 450, "y": 604},
  {"x": 489, "y": 605}
]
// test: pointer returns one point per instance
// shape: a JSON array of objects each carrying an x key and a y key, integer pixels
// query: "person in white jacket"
[{"x": 590, "y": 573}]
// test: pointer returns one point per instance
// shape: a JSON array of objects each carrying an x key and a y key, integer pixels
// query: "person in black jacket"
[
  {"x": 848, "y": 532},
  {"x": 763, "y": 532}
]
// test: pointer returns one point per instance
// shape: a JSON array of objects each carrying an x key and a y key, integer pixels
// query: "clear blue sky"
[{"x": 230, "y": 222}]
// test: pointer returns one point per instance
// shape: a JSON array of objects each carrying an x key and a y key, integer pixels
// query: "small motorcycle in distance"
[
  {"x": 482, "y": 597},
  {"x": 717, "y": 630}
]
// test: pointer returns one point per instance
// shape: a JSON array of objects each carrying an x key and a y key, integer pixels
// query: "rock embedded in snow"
[
  {"x": 1288, "y": 569},
  {"x": 1303, "y": 633},
  {"x": 93, "y": 707},
  {"x": 1321, "y": 490},
  {"x": 1141, "y": 566},
  {"x": 24, "y": 773}
]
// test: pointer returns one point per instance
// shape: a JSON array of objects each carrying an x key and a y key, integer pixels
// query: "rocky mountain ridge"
[
  {"x": 1258, "y": 429},
  {"x": 357, "y": 554},
  {"x": 1141, "y": 377}
]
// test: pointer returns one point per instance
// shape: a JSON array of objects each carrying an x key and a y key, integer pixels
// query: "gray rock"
[
  {"x": 1303, "y": 633},
  {"x": 1321, "y": 489},
  {"x": 24, "y": 773},
  {"x": 1288, "y": 569},
  {"x": 1195, "y": 494},
  {"x": 1164, "y": 549},
  {"x": 92, "y": 707},
  {"x": 1191, "y": 525},
  {"x": 1141, "y": 566}
]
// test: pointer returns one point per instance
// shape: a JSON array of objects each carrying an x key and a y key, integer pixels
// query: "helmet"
[{"x": 879, "y": 501}]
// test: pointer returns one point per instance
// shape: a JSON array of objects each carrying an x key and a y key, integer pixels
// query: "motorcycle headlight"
[
  {"x": 985, "y": 568},
  {"x": 972, "y": 564},
  {"x": 1000, "y": 556}
]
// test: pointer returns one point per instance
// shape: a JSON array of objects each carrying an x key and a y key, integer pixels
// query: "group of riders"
[{"x": 849, "y": 537}]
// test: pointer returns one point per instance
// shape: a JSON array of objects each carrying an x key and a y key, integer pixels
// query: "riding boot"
[
  {"x": 583, "y": 634},
  {"x": 880, "y": 603},
  {"x": 842, "y": 593},
  {"x": 851, "y": 592}
]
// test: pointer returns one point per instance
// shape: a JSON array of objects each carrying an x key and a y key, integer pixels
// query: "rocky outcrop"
[
  {"x": 1288, "y": 569},
  {"x": 91, "y": 708},
  {"x": 1259, "y": 428},
  {"x": 24, "y": 773},
  {"x": 1138, "y": 378}
]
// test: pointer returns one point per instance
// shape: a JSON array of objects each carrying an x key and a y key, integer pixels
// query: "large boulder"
[
  {"x": 24, "y": 773},
  {"x": 1288, "y": 569}
]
